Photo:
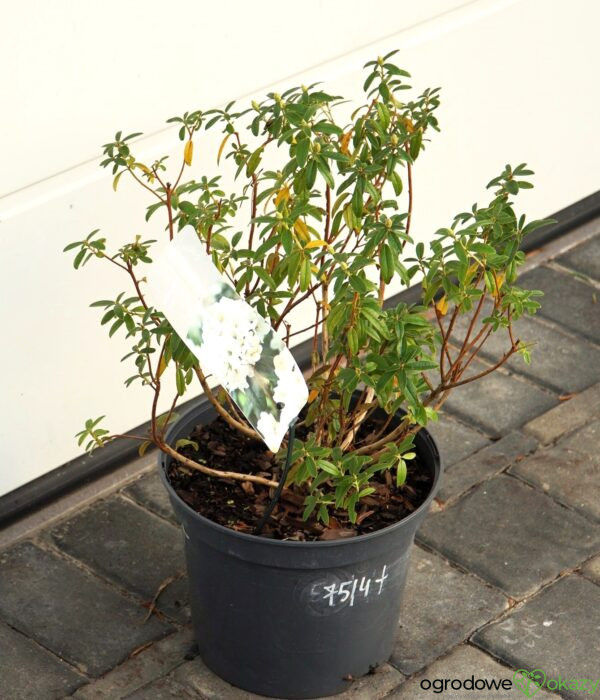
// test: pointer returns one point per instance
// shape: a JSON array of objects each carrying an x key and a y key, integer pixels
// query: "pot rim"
[{"x": 163, "y": 459}]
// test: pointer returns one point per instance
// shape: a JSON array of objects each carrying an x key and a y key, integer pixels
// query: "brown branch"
[
  {"x": 169, "y": 414},
  {"x": 126, "y": 436},
  {"x": 167, "y": 449},
  {"x": 232, "y": 406},
  {"x": 426, "y": 380},
  {"x": 292, "y": 303},
  {"x": 501, "y": 361},
  {"x": 153, "y": 432},
  {"x": 165, "y": 584},
  {"x": 325, "y": 394},
  {"x": 382, "y": 442},
  {"x": 410, "y": 192},
  {"x": 383, "y": 428},
  {"x": 465, "y": 347},
  {"x": 325, "y": 283},
  {"x": 169, "y": 192},
  {"x": 307, "y": 328},
  {"x": 444, "y": 352},
  {"x": 144, "y": 185},
  {"x": 510, "y": 330},
  {"x": 358, "y": 419},
  {"x": 252, "y": 222},
  {"x": 246, "y": 430}
]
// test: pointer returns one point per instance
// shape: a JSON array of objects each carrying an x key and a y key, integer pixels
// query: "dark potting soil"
[{"x": 240, "y": 504}]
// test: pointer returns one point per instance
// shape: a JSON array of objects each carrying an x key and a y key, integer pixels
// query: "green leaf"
[
  {"x": 357, "y": 197},
  {"x": 533, "y": 225},
  {"x": 327, "y": 128},
  {"x": 387, "y": 263},
  {"x": 415, "y": 144},
  {"x": 254, "y": 161},
  {"x": 79, "y": 257},
  {"x": 71, "y": 246},
  {"x": 401, "y": 473},
  {"x": 421, "y": 365},
  {"x": 180, "y": 381},
  {"x": 302, "y": 148},
  {"x": 328, "y": 467},
  {"x": 396, "y": 183},
  {"x": 353, "y": 341},
  {"x": 115, "y": 327},
  {"x": 305, "y": 274},
  {"x": 323, "y": 168}
]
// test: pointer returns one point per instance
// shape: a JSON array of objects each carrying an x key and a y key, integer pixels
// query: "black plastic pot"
[{"x": 294, "y": 619}]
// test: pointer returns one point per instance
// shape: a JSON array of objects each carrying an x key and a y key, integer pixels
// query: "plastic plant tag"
[{"x": 231, "y": 340}]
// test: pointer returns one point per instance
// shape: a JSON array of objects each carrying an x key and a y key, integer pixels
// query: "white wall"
[{"x": 518, "y": 80}]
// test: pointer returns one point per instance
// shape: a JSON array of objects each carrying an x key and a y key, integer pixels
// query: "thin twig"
[
  {"x": 167, "y": 582},
  {"x": 219, "y": 474},
  {"x": 246, "y": 430}
]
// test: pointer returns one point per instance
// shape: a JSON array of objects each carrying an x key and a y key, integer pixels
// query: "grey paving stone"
[
  {"x": 455, "y": 440},
  {"x": 131, "y": 547},
  {"x": 142, "y": 669},
  {"x": 498, "y": 402},
  {"x": 30, "y": 672},
  {"x": 584, "y": 258},
  {"x": 70, "y": 612},
  {"x": 557, "y": 632},
  {"x": 566, "y": 300},
  {"x": 565, "y": 417},
  {"x": 511, "y": 535},
  {"x": 163, "y": 689},
  {"x": 462, "y": 663},
  {"x": 198, "y": 677},
  {"x": 492, "y": 459},
  {"x": 149, "y": 492},
  {"x": 559, "y": 360},
  {"x": 441, "y": 607},
  {"x": 592, "y": 569},
  {"x": 570, "y": 470}
]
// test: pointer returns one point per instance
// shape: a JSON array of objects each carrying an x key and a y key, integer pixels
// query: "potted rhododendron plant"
[{"x": 298, "y": 542}]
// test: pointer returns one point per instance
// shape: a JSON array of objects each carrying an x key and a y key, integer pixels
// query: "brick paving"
[{"x": 505, "y": 574}]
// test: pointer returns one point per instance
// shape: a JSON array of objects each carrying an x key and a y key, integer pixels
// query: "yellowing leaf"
[
  {"x": 161, "y": 367},
  {"x": 316, "y": 244},
  {"x": 282, "y": 196},
  {"x": 301, "y": 230},
  {"x": 498, "y": 282},
  {"x": 442, "y": 305},
  {"x": 410, "y": 127},
  {"x": 313, "y": 395},
  {"x": 221, "y": 147},
  {"x": 188, "y": 152},
  {"x": 272, "y": 261},
  {"x": 116, "y": 180},
  {"x": 471, "y": 272},
  {"x": 344, "y": 141}
]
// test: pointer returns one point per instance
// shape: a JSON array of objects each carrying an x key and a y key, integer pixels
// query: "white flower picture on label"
[{"x": 230, "y": 339}]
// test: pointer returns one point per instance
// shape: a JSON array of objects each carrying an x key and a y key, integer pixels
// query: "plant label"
[{"x": 231, "y": 340}]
